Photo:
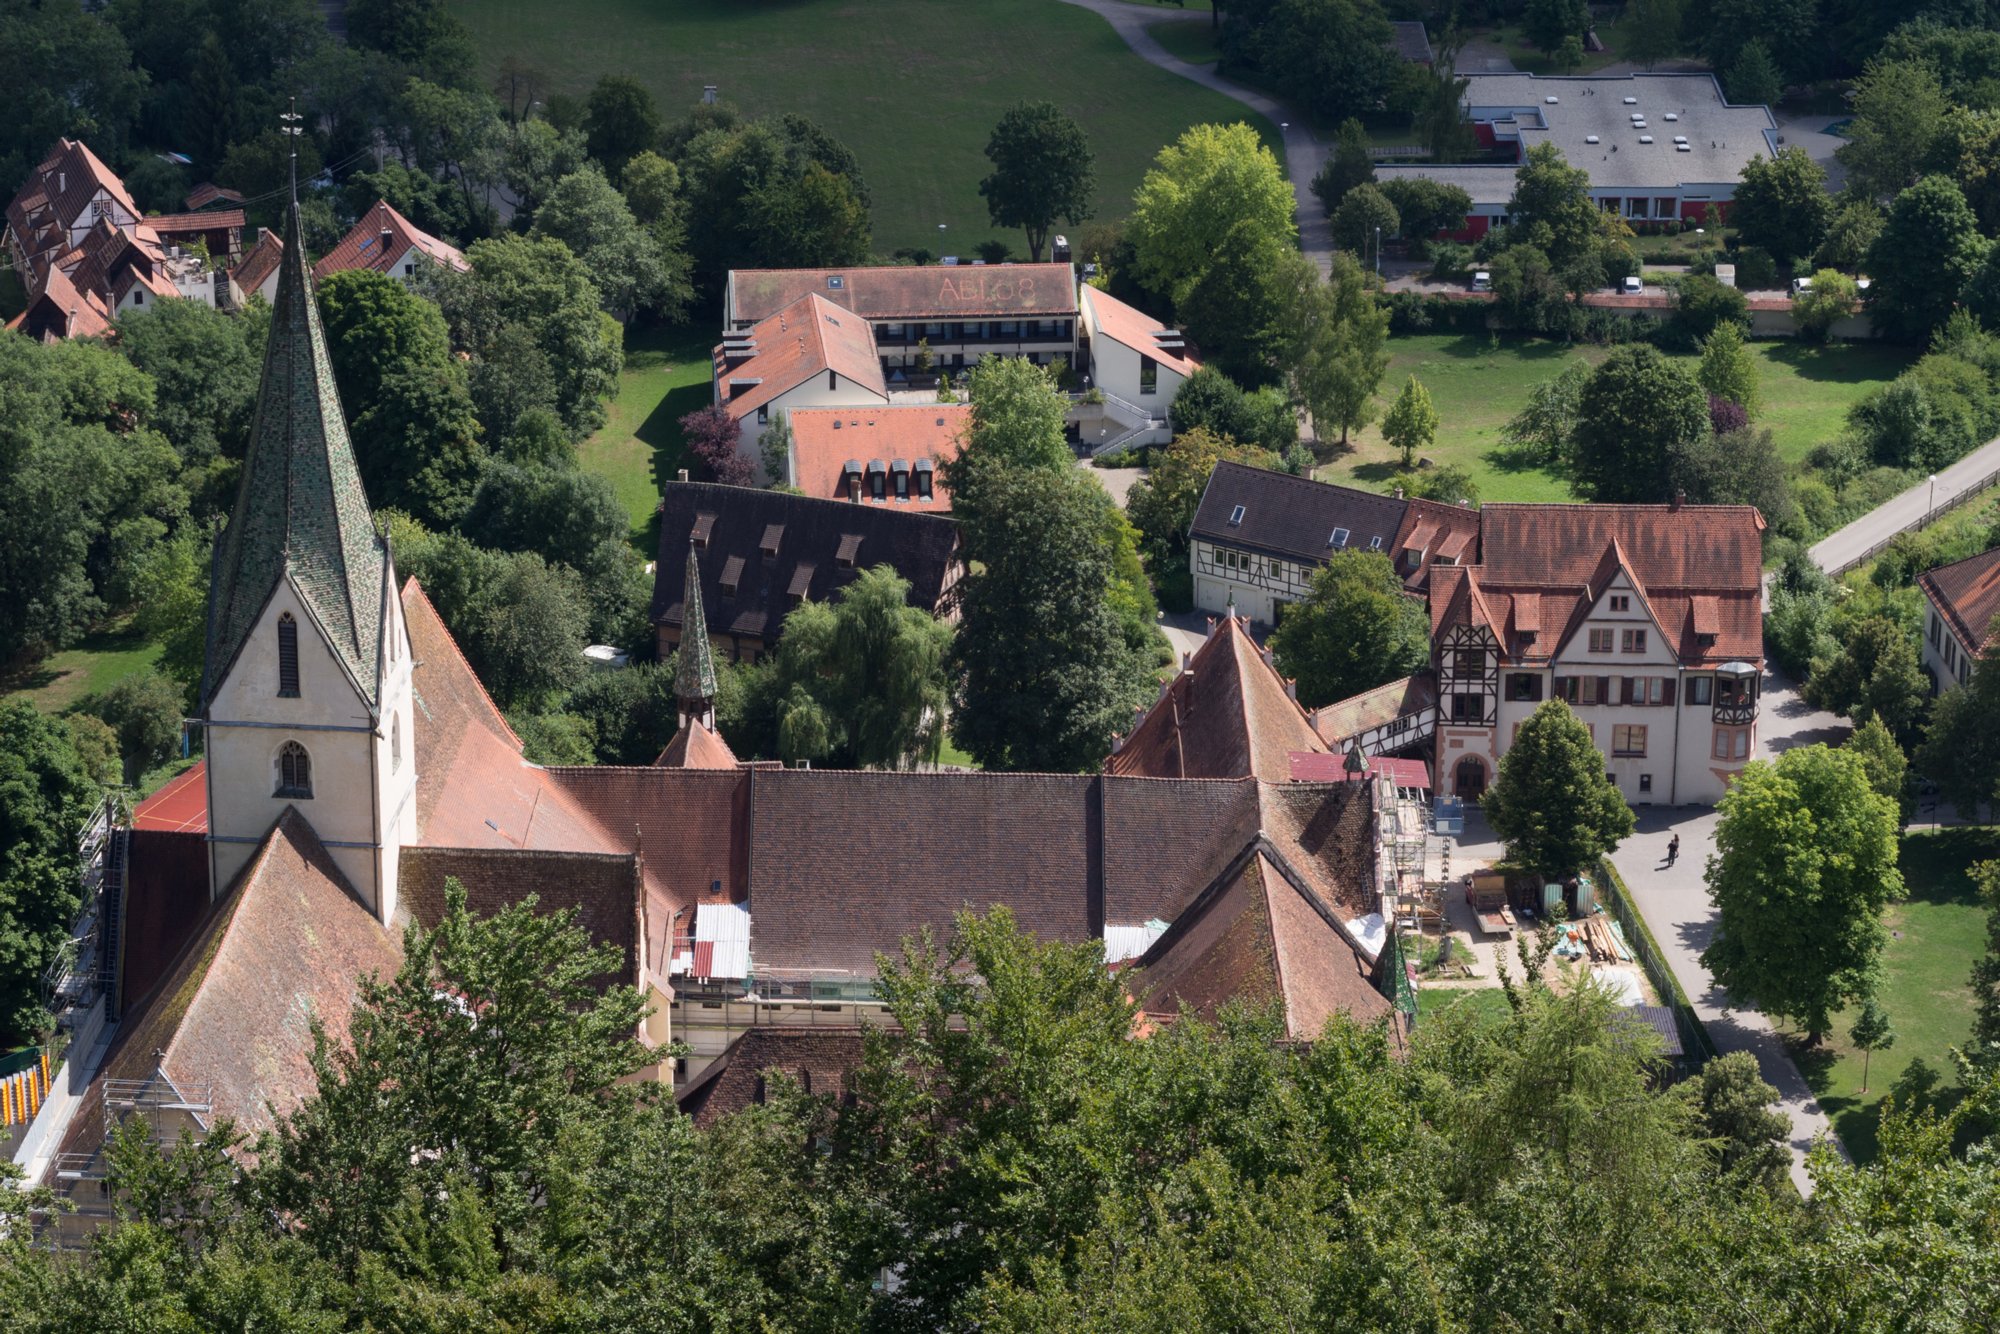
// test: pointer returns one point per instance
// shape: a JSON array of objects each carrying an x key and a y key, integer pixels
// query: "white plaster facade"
[
  {"x": 1947, "y": 660},
  {"x": 822, "y": 389},
  {"x": 363, "y": 762},
  {"x": 1257, "y": 584}
]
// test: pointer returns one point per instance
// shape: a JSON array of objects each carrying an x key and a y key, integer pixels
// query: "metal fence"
[{"x": 1695, "y": 1045}]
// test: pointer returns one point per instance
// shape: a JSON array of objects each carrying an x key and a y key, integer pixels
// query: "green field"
[
  {"x": 100, "y": 658},
  {"x": 1477, "y": 384},
  {"x": 666, "y": 376},
  {"x": 1534, "y": 60},
  {"x": 1487, "y": 1002},
  {"x": 912, "y": 86},
  {"x": 1935, "y": 935}
]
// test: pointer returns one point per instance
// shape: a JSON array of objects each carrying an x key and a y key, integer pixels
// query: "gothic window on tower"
[
  {"x": 288, "y": 657},
  {"x": 295, "y": 773}
]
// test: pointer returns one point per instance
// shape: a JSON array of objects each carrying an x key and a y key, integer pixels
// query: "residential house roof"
[
  {"x": 231, "y": 1021},
  {"x": 366, "y": 247},
  {"x": 1134, "y": 328},
  {"x": 1294, "y": 518},
  {"x": 1227, "y": 714},
  {"x": 259, "y": 262},
  {"x": 207, "y": 220},
  {"x": 930, "y": 293},
  {"x": 826, "y": 441},
  {"x": 63, "y": 311},
  {"x": 301, "y": 513},
  {"x": 1434, "y": 534},
  {"x": 1967, "y": 595},
  {"x": 818, "y": 1058},
  {"x": 1697, "y": 568},
  {"x": 207, "y": 193},
  {"x": 804, "y": 339},
  {"x": 761, "y": 552},
  {"x": 55, "y": 198},
  {"x": 1411, "y": 42}
]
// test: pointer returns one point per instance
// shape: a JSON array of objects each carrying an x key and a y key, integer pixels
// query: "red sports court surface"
[{"x": 179, "y": 807}]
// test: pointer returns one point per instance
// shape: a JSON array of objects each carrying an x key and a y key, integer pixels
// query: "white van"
[
  {"x": 1800, "y": 286},
  {"x": 1482, "y": 281}
]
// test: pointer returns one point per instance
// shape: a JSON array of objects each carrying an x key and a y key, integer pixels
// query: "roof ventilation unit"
[{"x": 1550, "y": 100}]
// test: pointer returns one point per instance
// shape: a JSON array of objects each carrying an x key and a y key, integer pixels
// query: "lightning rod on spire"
[{"x": 291, "y": 129}]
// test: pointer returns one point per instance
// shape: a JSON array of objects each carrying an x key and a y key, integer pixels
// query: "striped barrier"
[{"x": 21, "y": 1094}]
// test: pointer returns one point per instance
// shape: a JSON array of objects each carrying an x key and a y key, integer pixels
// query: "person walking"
[{"x": 1673, "y": 849}]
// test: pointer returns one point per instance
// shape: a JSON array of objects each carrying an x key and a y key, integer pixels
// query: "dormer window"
[
  {"x": 925, "y": 470},
  {"x": 704, "y": 524},
  {"x": 732, "y": 576},
  {"x": 878, "y": 480},
  {"x": 849, "y": 551},
  {"x": 774, "y": 533},
  {"x": 288, "y": 657}
]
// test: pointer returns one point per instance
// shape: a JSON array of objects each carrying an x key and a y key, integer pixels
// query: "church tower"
[
  {"x": 694, "y": 679},
  {"x": 306, "y": 697}
]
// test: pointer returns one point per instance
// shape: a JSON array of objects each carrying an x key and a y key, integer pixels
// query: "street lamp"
[
  {"x": 1930, "y": 506},
  {"x": 1378, "y": 252}
]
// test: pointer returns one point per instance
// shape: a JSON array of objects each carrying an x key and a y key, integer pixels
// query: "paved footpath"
[
  {"x": 1855, "y": 543},
  {"x": 1304, "y": 154},
  {"x": 1674, "y": 901}
]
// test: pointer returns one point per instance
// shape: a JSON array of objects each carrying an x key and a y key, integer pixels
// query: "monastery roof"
[
  {"x": 1967, "y": 593},
  {"x": 1225, "y": 715},
  {"x": 1339, "y": 723},
  {"x": 820, "y": 546},
  {"x": 825, "y": 441},
  {"x": 696, "y": 746},
  {"x": 807, "y": 337},
  {"x": 931, "y": 292},
  {"x": 819, "y": 1058},
  {"x": 1291, "y": 517}
]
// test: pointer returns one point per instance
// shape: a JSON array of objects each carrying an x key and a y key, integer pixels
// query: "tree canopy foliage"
[
  {"x": 1042, "y": 172},
  {"x": 1352, "y": 631},
  {"x": 1552, "y": 804}
]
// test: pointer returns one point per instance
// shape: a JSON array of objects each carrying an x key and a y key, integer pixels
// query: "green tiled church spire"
[
  {"x": 694, "y": 680},
  {"x": 300, "y": 508}
]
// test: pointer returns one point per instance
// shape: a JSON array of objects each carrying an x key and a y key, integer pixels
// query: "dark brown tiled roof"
[
  {"x": 208, "y": 192},
  {"x": 1411, "y": 42},
  {"x": 1226, "y": 716},
  {"x": 922, "y": 548},
  {"x": 231, "y": 1021},
  {"x": 1165, "y": 838},
  {"x": 932, "y": 292},
  {"x": 1967, "y": 594},
  {"x": 603, "y": 889},
  {"x": 818, "y": 1058},
  {"x": 166, "y": 903},
  {"x": 697, "y": 747},
  {"x": 1293, "y": 517}
]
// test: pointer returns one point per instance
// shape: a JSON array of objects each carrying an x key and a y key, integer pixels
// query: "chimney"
[
  {"x": 1292, "y": 689},
  {"x": 683, "y": 474},
  {"x": 854, "y": 487},
  {"x": 1187, "y": 660},
  {"x": 1680, "y": 499},
  {"x": 1399, "y": 493},
  {"x": 1265, "y": 654},
  {"x": 387, "y": 236}
]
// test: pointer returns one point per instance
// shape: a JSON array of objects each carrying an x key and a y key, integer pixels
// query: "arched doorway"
[{"x": 1468, "y": 781}]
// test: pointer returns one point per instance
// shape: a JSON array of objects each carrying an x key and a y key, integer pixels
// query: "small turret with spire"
[{"x": 694, "y": 680}]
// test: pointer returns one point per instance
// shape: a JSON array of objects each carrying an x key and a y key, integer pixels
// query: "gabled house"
[
  {"x": 387, "y": 242},
  {"x": 1132, "y": 355},
  {"x": 1962, "y": 618},
  {"x": 1646, "y": 619},
  {"x": 810, "y": 354},
  {"x": 256, "y": 274},
  {"x": 761, "y": 553}
]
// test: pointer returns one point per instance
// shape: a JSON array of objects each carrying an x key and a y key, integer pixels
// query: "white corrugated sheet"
[
  {"x": 1371, "y": 931},
  {"x": 725, "y": 929},
  {"x": 1622, "y": 983},
  {"x": 1129, "y": 942}
]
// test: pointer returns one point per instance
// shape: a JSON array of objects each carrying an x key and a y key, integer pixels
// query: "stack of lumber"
[{"x": 1598, "y": 940}]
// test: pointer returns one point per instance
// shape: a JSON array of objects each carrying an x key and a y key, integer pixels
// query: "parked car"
[
  {"x": 1632, "y": 286},
  {"x": 1482, "y": 281},
  {"x": 1800, "y": 286}
]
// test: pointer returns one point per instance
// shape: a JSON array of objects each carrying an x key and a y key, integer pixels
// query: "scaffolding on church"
[
  {"x": 158, "y": 1109},
  {"x": 85, "y": 967}
]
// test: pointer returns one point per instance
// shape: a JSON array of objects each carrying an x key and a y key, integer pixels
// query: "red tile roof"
[
  {"x": 826, "y": 440},
  {"x": 1967, "y": 594},
  {"x": 180, "y": 806},
  {"x": 697, "y": 747},
  {"x": 260, "y": 261},
  {"x": 363, "y": 247},
  {"x": 1340, "y": 722},
  {"x": 902, "y": 293},
  {"x": 62, "y": 311},
  {"x": 208, "y": 192},
  {"x": 1137, "y": 330},
  {"x": 1226, "y": 716},
  {"x": 806, "y": 338},
  {"x": 55, "y": 198},
  {"x": 214, "y": 219}
]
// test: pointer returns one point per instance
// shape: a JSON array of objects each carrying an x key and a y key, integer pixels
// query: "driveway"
[
  {"x": 1914, "y": 508},
  {"x": 1674, "y": 901},
  {"x": 1809, "y": 133},
  {"x": 1304, "y": 154}
]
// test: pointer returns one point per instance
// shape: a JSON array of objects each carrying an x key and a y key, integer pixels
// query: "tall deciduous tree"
[
  {"x": 1805, "y": 863},
  {"x": 1545, "y": 429},
  {"x": 1162, "y": 503},
  {"x": 1727, "y": 369},
  {"x": 1873, "y": 674},
  {"x": 1355, "y": 629},
  {"x": 1550, "y": 23},
  {"x": 1899, "y": 117},
  {"x": 1350, "y": 164},
  {"x": 1984, "y": 1048},
  {"x": 1210, "y": 180},
  {"x": 1832, "y": 297},
  {"x": 1412, "y": 422},
  {"x": 1551, "y": 804},
  {"x": 1042, "y": 172},
  {"x": 1653, "y": 30},
  {"x": 1046, "y": 676},
  {"x": 1335, "y": 334},
  {"x": 1364, "y": 217},
  {"x": 861, "y": 682},
  {"x": 1638, "y": 416},
  {"x": 1929, "y": 249},
  {"x": 1781, "y": 204},
  {"x": 1551, "y": 206},
  {"x": 44, "y": 795},
  {"x": 623, "y": 259},
  {"x": 1961, "y": 750},
  {"x": 205, "y": 365},
  {"x": 620, "y": 122}
]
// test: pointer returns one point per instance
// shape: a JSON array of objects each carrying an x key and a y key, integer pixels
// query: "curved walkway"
[{"x": 1304, "y": 154}]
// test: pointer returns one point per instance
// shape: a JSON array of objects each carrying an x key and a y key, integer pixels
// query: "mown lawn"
[
  {"x": 106, "y": 655},
  {"x": 1478, "y": 383},
  {"x": 666, "y": 376},
  {"x": 1488, "y": 1002},
  {"x": 1935, "y": 936},
  {"x": 1192, "y": 42},
  {"x": 914, "y": 87}
]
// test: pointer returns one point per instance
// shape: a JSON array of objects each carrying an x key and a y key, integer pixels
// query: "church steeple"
[
  {"x": 694, "y": 680},
  {"x": 300, "y": 509}
]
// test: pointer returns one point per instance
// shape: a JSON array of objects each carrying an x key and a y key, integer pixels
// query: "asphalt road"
[{"x": 1843, "y": 550}]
